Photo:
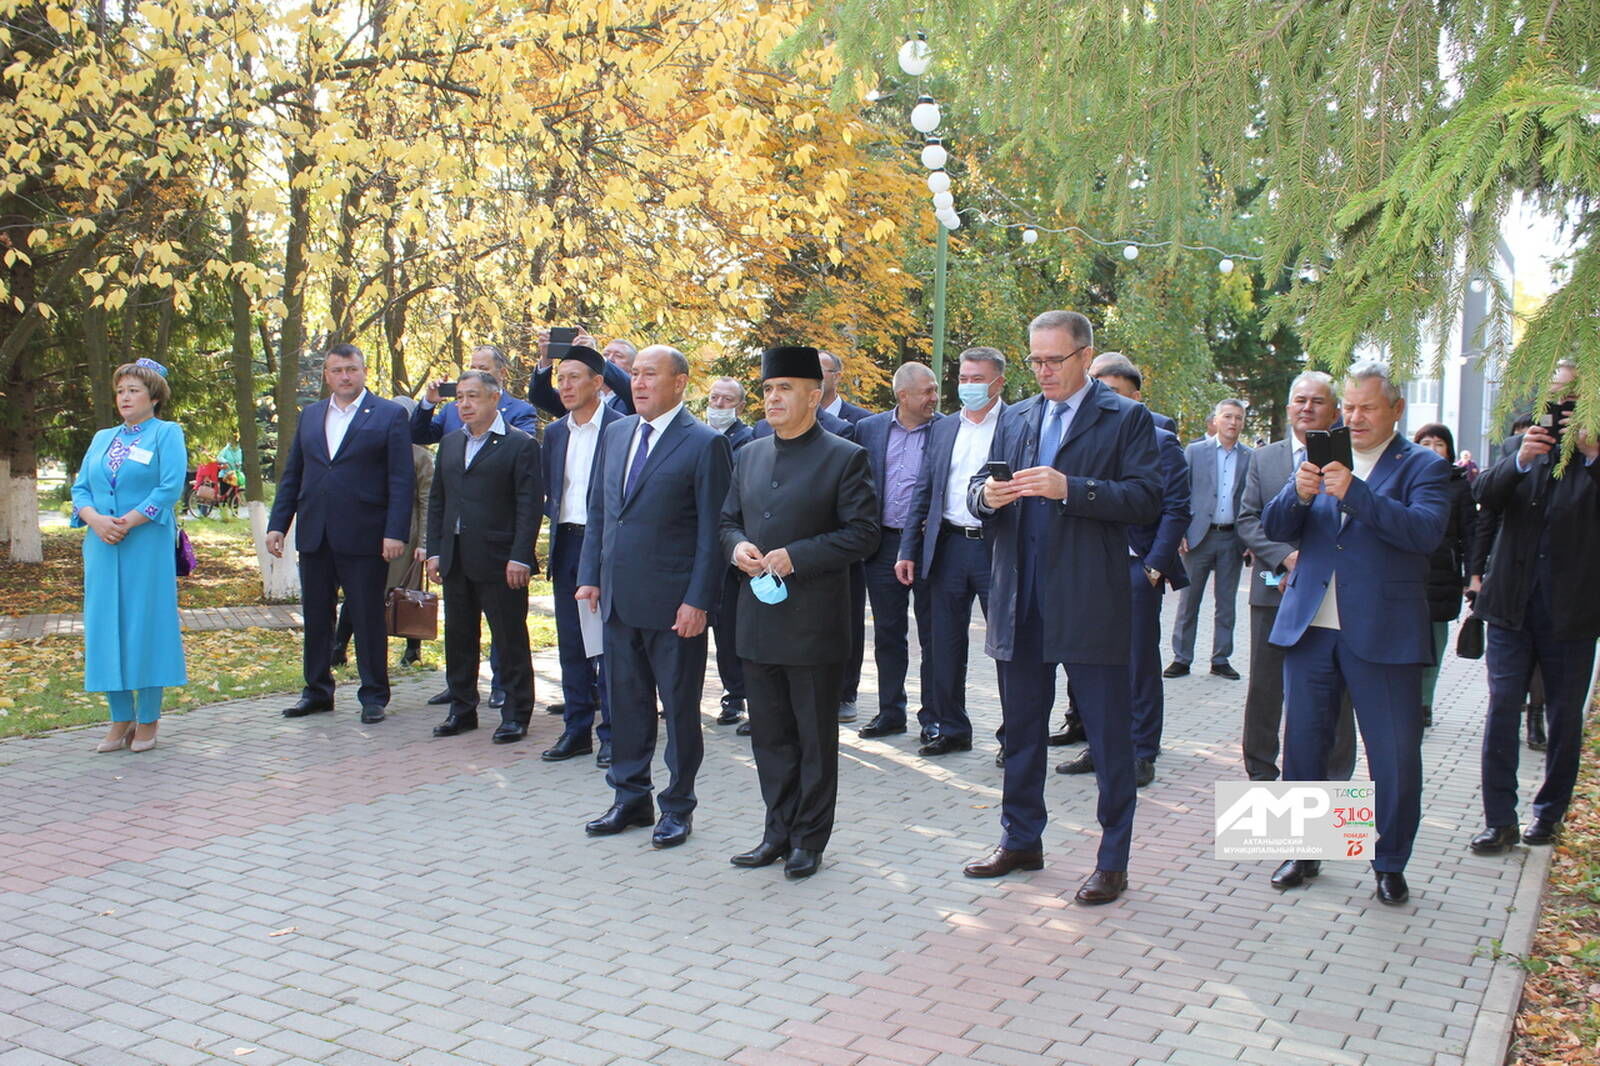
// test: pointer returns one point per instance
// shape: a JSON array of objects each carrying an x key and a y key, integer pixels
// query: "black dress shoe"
[
  {"x": 744, "y": 728},
  {"x": 942, "y": 745},
  {"x": 1083, "y": 764},
  {"x": 1494, "y": 840},
  {"x": 1144, "y": 772},
  {"x": 440, "y": 700},
  {"x": 1176, "y": 670},
  {"x": 1392, "y": 887},
  {"x": 1536, "y": 738},
  {"x": 1224, "y": 670},
  {"x": 1103, "y": 886},
  {"x": 455, "y": 724},
  {"x": 672, "y": 830},
  {"x": 1002, "y": 860},
  {"x": 1071, "y": 733},
  {"x": 567, "y": 746},
  {"x": 372, "y": 715},
  {"x": 879, "y": 728},
  {"x": 603, "y": 758},
  {"x": 559, "y": 709},
  {"x": 305, "y": 707},
  {"x": 622, "y": 816},
  {"x": 763, "y": 854},
  {"x": 847, "y": 711},
  {"x": 1541, "y": 831},
  {"x": 412, "y": 654},
  {"x": 497, "y": 698},
  {"x": 802, "y": 862},
  {"x": 732, "y": 711},
  {"x": 1295, "y": 872},
  {"x": 509, "y": 732}
]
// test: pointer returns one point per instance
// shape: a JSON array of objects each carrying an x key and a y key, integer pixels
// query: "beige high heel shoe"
[
  {"x": 116, "y": 743},
  {"x": 137, "y": 745}
]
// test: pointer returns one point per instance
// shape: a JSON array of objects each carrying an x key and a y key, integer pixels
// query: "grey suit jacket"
[
  {"x": 1202, "y": 459},
  {"x": 1270, "y": 468}
]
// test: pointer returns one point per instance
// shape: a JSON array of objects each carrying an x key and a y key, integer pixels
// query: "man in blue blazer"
[
  {"x": 897, "y": 447},
  {"x": 943, "y": 544},
  {"x": 617, "y": 362},
  {"x": 653, "y": 568},
  {"x": 347, "y": 486},
  {"x": 1153, "y": 567},
  {"x": 1355, "y": 613},
  {"x": 571, "y": 446},
  {"x": 431, "y": 420},
  {"x": 832, "y": 402},
  {"x": 1083, "y": 466}
]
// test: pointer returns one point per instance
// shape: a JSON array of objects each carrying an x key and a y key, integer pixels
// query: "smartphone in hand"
[
  {"x": 999, "y": 469},
  {"x": 561, "y": 338},
  {"x": 447, "y": 390}
]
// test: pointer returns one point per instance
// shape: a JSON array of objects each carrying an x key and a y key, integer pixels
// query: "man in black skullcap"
[{"x": 801, "y": 511}]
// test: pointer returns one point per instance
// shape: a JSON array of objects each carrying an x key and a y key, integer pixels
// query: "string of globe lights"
[{"x": 914, "y": 58}]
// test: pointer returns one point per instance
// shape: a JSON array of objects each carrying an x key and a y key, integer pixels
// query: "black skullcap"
[
  {"x": 587, "y": 356},
  {"x": 791, "y": 362}
]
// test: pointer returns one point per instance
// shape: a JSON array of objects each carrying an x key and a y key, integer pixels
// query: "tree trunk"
[
  {"x": 19, "y": 444},
  {"x": 5, "y": 498},
  {"x": 291, "y": 340},
  {"x": 280, "y": 578},
  {"x": 244, "y": 377},
  {"x": 97, "y": 352}
]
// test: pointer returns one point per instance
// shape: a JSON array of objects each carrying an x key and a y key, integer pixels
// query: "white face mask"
[{"x": 720, "y": 417}]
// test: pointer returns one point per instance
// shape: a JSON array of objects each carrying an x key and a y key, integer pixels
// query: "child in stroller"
[{"x": 213, "y": 491}]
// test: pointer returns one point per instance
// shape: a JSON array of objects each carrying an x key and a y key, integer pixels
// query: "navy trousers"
[
  {"x": 1317, "y": 671},
  {"x": 730, "y": 668},
  {"x": 850, "y": 680},
  {"x": 1512, "y": 655},
  {"x": 1144, "y": 666},
  {"x": 890, "y": 632},
  {"x": 583, "y": 679},
  {"x": 960, "y": 573},
  {"x": 322, "y": 574},
  {"x": 642, "y": 664}
]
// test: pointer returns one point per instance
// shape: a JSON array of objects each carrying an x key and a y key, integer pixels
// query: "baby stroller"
[{"x": 212, "y": 492}]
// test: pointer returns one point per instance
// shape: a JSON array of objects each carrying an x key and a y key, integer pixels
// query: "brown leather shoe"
[
  {"x": 1002, "y": 861},
  {"x": 1103, "y": 886}
]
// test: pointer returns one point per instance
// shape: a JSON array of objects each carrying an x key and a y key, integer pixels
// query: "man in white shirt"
[{"x": 943, "y": 542}]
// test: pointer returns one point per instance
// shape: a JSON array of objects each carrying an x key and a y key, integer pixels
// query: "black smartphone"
[
  {"x": 1319, "y": 449},
  {"x": 447, "y": 390},
  {"x": 1339, "y": 443},
  {"x": 999, "y": 469},
  {"x": 1553, "y": 415},
  {"x": 561, "y": 338}
]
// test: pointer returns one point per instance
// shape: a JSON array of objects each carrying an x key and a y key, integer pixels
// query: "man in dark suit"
[
  {"x": 1312, "y": 406},
  {"x": 1541, "y": 602},
  {"x": 1084, "y": 466},
  {"x": 652, "y": 567},
  {"x": 571, "y": 445},
  {"x": 801, "y": 511},
  {"x": 616, "y": 387},
  {"x": 724, "y": 401},
  {"x": 1153, "y": 567},
  {"x": 483, "y": 522},
  {"x": 1124, "y": 363},
  {"x": 833, "y": 402},
  {"x": 943, "y": 545},
  {"x": 1355, "y": 613},
  {"x": 1217, "y": 471},
  {"x": 897, "y": 442},
  {"x": 348, "y": 481},
  {"x": 431, "y": 420}
]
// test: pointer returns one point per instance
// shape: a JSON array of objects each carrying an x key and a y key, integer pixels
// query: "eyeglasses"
[{"x": 1053, "y": 362}]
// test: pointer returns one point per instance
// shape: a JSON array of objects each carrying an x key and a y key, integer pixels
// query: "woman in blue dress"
[{"x": 131, "y": 477}]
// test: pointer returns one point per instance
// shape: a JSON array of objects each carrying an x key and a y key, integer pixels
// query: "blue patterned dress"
[{"x": 130, "y": 589}]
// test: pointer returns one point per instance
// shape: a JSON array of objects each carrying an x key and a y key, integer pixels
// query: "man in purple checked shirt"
[{"x": 896, "y": 441}]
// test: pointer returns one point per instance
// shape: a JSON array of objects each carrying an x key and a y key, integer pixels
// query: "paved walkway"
[
  {"x": 315, "y": 891},
  {"x": 197, "y": 619}
]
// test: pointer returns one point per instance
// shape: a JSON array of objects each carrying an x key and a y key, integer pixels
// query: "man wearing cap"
[
  {"x": 571, "y": 443},
  {"x": 652, "y": 567},
  {"x": 802, "y": 511}
]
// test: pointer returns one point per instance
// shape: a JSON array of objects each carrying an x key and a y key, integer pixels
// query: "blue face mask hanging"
[{"x": 769, "y": 588}]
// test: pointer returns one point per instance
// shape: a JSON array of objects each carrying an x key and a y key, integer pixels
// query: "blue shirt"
[
  {"x": 1227, "y": 466},
  {"x": 901, "y": 464}
]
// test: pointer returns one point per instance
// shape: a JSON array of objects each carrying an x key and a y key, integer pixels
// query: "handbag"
[
  {"x": 187, "y": 559},
  {"x": 413, "y": 613},
  {"x": 1469, "y": 642}
]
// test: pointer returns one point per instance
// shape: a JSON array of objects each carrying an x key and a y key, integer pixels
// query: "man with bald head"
[
  {"x": 652, "y": 567},
  {"x": 896, "y": 442}
]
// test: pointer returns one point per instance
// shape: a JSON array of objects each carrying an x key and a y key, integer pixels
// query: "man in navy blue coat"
[
  {"x": 431, "y": 420},
  {"x": 348, "y": 481},
  {"x": 1153, "y": 567},
  {"x": 1355, "y": 613},
  {"x": 724, "y": 400},
  {"x": 571, "y": 447},
  {"x": 653, "y": 567},
  {"x": 1084, "y": 467}
]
